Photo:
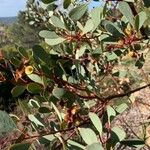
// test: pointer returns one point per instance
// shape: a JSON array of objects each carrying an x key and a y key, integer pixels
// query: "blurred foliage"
[{"x": 22, "y": 33}]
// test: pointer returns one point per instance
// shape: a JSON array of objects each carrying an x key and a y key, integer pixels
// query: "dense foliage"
[{"x": 70, "y": 91}]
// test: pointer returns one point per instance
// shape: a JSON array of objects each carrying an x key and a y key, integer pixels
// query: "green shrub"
[{"x": 70, "y": 86}]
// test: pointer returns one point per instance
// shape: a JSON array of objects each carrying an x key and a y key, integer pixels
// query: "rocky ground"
[{"x": 132, "y": 120}]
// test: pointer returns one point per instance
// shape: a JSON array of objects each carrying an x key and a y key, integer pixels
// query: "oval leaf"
[
  {"x": 57, "y": 22},
  {"x": 18, "y": 90},
  {"x": 94, "y": 146},
  {"x": 41, "y": 54},
  {"x": 36, "y": 78},
  {"x": 78, "y": 12},
  {"x": 96, "y": 122},
  {"x": 58, "y": 92},
  {"x": 136, "y": 143},
  {"x": 111, "y": 113},
  {"x": 24, "y": 146},
  {"x": 56, "y": 41},
  {"x": 75, "y": 145},
  {"x": 23, "y": 52},
  {"x": 140, "y": 19},
  {"x": 88, "y": 135},
  {"x": 44, "y": 110},
  {"x": 88, "y": 26},
  {"x": 34, "y": 88},
  {"x": 119, "y": 133},
  {"x": 35, "y": 120},
  {"x": 66, "y": 3},
  {"x": 121, "y": 108},
  {"x": 48, "y": 34},
  {"x": 96, "y": 15},
  {"x": 126, "y": 11},
  {"x": 113, "y": 28},
  {"x": 6, "y": 123}
]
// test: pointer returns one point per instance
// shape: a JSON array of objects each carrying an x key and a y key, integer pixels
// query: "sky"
[
  {"x": 94, "y": 4},
  {"x": 11, "y": 7}
]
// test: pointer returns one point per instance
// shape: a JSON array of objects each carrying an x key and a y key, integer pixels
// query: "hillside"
[{"x": 7, "y": 20}]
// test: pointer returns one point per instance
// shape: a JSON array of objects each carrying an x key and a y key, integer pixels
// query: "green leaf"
[
  {"x": 136, "y": 143},
  {"x": 88, "y": 135},
  {"x": 35, "y": 120},
  {"x": 76, "y": 13},
  {"x": 56, "y": 41},
  {"x": 40, "y": 53},
  {"x": 111, "y": 113},
  {"x": 119, "y": 133},
  {"x": 34, "y": 88},
  {"x": 16, "y": 62},
  {"x": 48, "y": 34},
  {"x": 75, "y": 145},
  {"x": 88, "y": 27},
  {"x": 80, "y": 51},
  {"x": 121, "y": 108},
  {"x": 58, "y": 92},
  {"x": 140, "y": 19},
  {"x": 50, "y": 137},
  {"x": 57, "y": 22},
  {"x": 96, "y": 122},
  {"x": 44, "y": 110},
  {"x": 113, "y": 28},
  {"x": 96, "y": 15},
  {"x": 94, "y": 146},
  {"x": 31, "y": 1},
  {"x": 50, "y": 8},
  {"x": 146, "y": 3},
  {"x": 66, "y": 3},
  {"x": 22, "y": 146},
  {"x": 33, "y": 103},
  {"x": 79, "y": 25},
  {"x": 126, "y": 11},
  {"x": 140, "y": 62},
  {"x": 7, "y": 125},
  {"x": 48, "y": 1},
  {"x": 72, "y": 80},
  {"x": 111, "y": 56},
  {"x": 98, "y": 51},
  {"x": 18, "y": 90},
  {"x": 57, "y": 111},
  {"x": 23, "y": 52},
  {"x": 120, "y": 73},
  {"x": 36, "y": 78}
]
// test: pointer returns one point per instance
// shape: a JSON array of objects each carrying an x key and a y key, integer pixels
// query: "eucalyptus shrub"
[{"x": 74, "y": 88}]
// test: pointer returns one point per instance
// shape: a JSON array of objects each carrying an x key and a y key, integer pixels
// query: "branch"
[
  {"x": 87, "y": 121},
  {"x": 125, "y": 94},
  {"x": 110, "y": 97}
]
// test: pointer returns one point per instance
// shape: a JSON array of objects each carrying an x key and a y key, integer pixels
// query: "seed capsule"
[{"x": 29, "y": 70}]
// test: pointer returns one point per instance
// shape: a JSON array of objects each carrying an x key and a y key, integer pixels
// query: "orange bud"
[
  {"x": 74, "y": 110},
  {"x": 121, "y": 42},
  {"x": 131, "y": 54},
  {"x": 128, "y": 32}
]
